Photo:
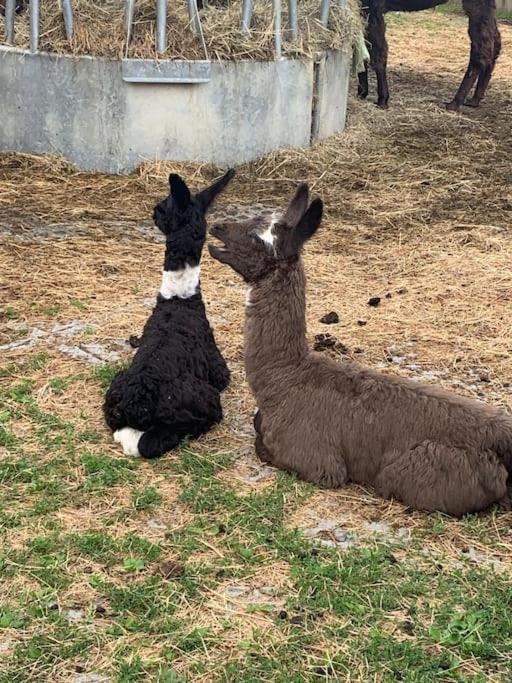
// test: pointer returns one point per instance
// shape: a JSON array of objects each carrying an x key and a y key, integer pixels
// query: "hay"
[{"x": 99, "y": 30}]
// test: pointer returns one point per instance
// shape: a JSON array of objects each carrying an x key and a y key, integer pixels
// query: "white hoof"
[{"x": 129, "y": 440}]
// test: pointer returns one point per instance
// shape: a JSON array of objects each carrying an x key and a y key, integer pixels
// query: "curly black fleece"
[{"x": 172, "y": 388}]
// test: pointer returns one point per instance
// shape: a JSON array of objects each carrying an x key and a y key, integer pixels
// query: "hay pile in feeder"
[{"x": 100, "y": 30}]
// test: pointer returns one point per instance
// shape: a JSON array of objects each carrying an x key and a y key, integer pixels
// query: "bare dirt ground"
[{"x": 419, "y": 214}]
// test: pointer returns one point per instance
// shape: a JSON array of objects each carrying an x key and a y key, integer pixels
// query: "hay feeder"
[{"x": 110, "y": 85}]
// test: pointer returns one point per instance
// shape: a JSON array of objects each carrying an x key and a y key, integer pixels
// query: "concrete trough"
[{"x": 85, "y": 110}]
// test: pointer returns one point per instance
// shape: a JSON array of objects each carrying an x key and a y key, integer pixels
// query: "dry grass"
[{"x": 99, "y": 30}]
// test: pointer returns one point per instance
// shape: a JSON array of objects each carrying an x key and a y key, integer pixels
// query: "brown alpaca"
[
  {"x": 337, "y": 422},
  {"x": 483, "y": 33}
]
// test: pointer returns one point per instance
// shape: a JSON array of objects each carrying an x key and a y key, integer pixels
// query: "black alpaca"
[
  {"x": 483, "y": 33},
  {"x": 172, "y": 388}
]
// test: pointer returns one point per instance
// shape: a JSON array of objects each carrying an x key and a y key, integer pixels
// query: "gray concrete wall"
[
  {"x": 332, "y": 81},
  {"x": 80, "y": 108}
]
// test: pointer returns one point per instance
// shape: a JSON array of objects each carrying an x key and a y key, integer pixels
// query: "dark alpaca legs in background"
[
  {"x": 378, "y": 48},
  {"x": 485, "y": 47}
]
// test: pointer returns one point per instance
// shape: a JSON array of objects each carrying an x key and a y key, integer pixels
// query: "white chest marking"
[
  {"x": 181, "y": 283},
  {"x": 248, "y": 301},
  {"x": 129, "y": 439}
]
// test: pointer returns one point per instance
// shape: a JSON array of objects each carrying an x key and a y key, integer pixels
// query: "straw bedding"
[{"x": 99, "y": 30}]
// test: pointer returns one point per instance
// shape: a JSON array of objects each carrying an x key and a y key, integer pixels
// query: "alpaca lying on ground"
[
  {"x": 172, "y": 388},
  {"x": 337, "y": 422}
]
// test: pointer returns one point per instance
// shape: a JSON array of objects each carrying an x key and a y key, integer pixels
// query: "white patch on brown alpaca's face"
[
  {"x": 182, "y": 283},
  {"x": 129, "y": 439},
  {"x": 268, "y": 235}
]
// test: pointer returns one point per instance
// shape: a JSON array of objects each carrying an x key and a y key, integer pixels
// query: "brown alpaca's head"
[{"x": 255, "y": 248}]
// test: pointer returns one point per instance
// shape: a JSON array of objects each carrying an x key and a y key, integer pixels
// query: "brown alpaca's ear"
[
  {"x": 309, "y": 223},
  {"x": 297, "y": 206}
]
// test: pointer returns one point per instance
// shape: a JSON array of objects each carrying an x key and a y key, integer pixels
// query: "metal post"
[
  {"x": 276, "y": 5},
  {"x": 324, "y": 12},
  {"x": 193, "y": 13},
  {"x": 292, "y": 19},
  {"x": 246, "y": 16},
  {"x": 67, "y": 11},
  {"x": 10, "y": 12},
  {"x": 130, "y": 10},
  {"x": 34, "y": 25},
  {"x": 161, "y": 26}
]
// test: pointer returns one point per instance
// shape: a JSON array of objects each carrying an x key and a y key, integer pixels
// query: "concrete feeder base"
[{"x": 80, "y": 108}]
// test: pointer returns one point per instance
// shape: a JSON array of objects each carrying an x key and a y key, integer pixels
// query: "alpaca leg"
[
  {"x": 382, "y": 86},
  {"x": 261, "y": 451},
  {"x": 379, "y": 50},
  {"x": 481, "y": 87},
  {"x": 433, "y": 476},
  {"x": 129, "y": 439},
  {"x": 194, "y": 409},
  {"x": 362, "y": 88},
  {"x": 485, "y": 76},
  {"x": 157, "y": 440},
  {"x": 328, "y": 471},
  {"x": 468, "y": 82}
]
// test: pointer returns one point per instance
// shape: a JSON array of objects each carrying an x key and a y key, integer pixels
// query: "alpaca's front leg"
[
  {"x": 486, "y": 74},
  {"x": 362, "y": 87},
  {"x": 379, "y": 50},
  {"x": 261, "y": 451},
  {"x": 467, "y": 83},
  {"x": 311, "y": 463}
]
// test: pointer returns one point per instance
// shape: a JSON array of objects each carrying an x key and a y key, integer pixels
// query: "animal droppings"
[
  {"x": 324, "y": 341},
  {"x": 408, "y": 627},
  {"x": 170, "y": 569},
  {"x": 134, "y": 341},
  {"x": 330, "y": 318},
  {"x": 362, "y": 323},
  {"x": 374, "y": 301}
]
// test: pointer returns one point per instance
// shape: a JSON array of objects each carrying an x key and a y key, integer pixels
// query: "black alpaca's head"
[
  {"x": 181, "y": 216},
  {"x": 182, "y": 219}
]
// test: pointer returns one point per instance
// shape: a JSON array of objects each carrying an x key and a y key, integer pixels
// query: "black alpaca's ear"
[
  {"x": 309, "y": 223},
  {"x": 207, "y": 196},
  {"x": 179, "y": 191},
  {"x": 297, "y": 206}
]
